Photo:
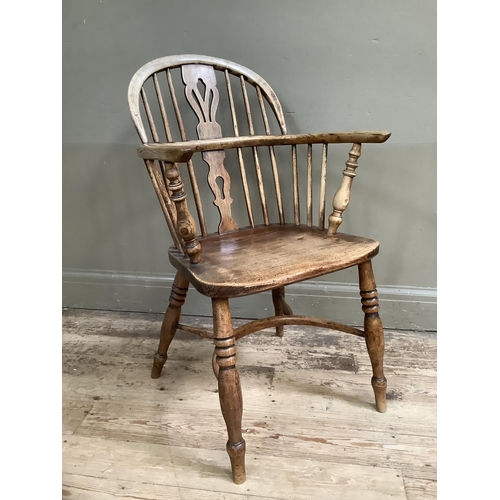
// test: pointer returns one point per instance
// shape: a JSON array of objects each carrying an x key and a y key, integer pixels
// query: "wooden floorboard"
[{"x": 309, "y": 420}]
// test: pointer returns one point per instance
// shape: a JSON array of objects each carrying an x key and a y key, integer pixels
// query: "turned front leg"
[
  {"x": 170, "y": 321},
  {"x": 374, "y": 333},
  {"x": 231, "y": 401},
  {"x": 186, "y": 226},
  {"x": 343, "y": 194}
]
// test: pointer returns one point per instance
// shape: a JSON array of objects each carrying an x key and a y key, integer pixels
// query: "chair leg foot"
[
  {"x": 380, "y": 389},
  {"x": 236, "y": 454},
  {"x": 281, "y": 308},
  {"x": 374, "y": 333},
  {"x": 170, "y": 321},
  {"x": 158, "y": 362},
  {"x": 230, "y": 397}
]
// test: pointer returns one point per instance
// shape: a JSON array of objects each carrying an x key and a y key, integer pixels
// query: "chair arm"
[{"x": 183, "y": 151}]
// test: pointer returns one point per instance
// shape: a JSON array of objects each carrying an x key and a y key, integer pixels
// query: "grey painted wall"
[{"x": 334, "y": 65}]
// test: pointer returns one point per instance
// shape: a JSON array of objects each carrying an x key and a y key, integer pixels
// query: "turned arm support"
[
  {"x": 343, "y": 194},
  {"x": 183, "y": 151},
  {"x": 185, "y": 225}
]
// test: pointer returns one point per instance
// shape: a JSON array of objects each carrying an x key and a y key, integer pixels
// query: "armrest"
[{"x": 183, "y": 151}]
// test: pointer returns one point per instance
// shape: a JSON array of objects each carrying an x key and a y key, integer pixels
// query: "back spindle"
[
  {"x": 240, "y": 154},
  {"x": 152, "y": 128},
  {"x": 258, "y": 171},
  {"x": 322, "y": 190},
  {"x": 272, "y": 156},
  {"x": 149, "y": 116},
  {"x": 295, "y": 176},
  {"x": 166, "y": 125},
  {"x": 164, "y": 118},
  {"x": 309, "y": 185}
]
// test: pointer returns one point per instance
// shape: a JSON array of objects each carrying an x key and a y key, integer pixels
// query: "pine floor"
[{"x": 309, "y": 421}]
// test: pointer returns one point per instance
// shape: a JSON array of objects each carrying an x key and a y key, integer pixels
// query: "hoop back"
[{"x": 198, "y": 75}]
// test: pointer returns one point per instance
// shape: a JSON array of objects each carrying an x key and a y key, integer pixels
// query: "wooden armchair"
[{"x": 266, "y": 254}]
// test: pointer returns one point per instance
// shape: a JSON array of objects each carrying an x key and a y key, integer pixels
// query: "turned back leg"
[
  {"x": 281, "y": 308},
  {"x": 374, "y": 332},
  {"x": 170, "y": 321},
  {"x": 231, "y": 401}
]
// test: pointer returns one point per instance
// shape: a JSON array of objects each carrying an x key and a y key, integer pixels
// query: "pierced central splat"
[{"x": 195, "y": 76}]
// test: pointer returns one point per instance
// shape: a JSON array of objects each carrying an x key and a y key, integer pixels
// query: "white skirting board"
[{"x": 402, "y": 307}]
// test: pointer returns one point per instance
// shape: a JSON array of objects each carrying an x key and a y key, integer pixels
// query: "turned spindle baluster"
[
  {"x": 230, "y": 397},
  {"x": 374, "y": 333},
  {"x": 167, "y": 206},
  {"x": 343, "y": 194},
  {"x": 186, "y": 226}
]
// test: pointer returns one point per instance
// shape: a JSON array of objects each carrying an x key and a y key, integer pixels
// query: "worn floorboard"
[{"x": 309, "y": 420}]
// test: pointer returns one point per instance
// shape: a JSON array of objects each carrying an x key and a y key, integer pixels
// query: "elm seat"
[
  {"x": 225, "y": 269},
  {"x": 239, "y": 158}
]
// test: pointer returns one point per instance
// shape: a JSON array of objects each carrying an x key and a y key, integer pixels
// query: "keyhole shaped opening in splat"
[{"x": 220, "y": 184}]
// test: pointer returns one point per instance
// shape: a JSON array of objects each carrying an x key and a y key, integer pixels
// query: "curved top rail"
[{"x": 163, "y": 63}]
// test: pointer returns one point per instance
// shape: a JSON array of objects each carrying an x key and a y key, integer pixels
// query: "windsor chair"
[{"x": 264, "y": 254}]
